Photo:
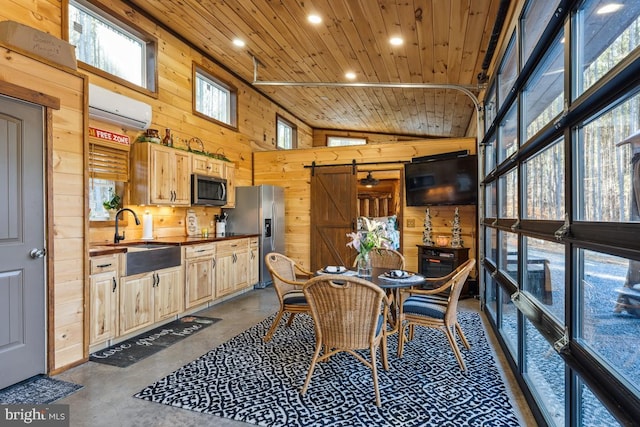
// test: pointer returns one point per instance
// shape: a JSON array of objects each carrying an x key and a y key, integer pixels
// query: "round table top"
[{"x": 377, "y": 277}]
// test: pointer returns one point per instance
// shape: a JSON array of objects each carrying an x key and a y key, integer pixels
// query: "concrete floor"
[{"x": 106, "y": 399}]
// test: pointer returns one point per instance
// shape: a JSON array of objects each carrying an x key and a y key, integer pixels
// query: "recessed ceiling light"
[
  {"x": 350, "y": 75},
  {"x": 396, "y": 41},
  {"x": 609, "y": 8},
  {"x": 238, "y": 42},
  {"x": 314, "y": 19}
]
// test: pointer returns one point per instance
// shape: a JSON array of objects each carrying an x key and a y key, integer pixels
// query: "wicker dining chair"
[
  {"x": 349, "y": 314},
  {"x": 385, "y": 258},
  {"x": 418, "y": 309},
  {"x": 284, "y": 273}
]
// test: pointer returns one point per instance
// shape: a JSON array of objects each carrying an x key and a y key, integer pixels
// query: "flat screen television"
[{"x": 448, "y": 181}]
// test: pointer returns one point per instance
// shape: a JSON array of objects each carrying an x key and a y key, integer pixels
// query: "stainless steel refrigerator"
[{"x": 260, "y": 210}]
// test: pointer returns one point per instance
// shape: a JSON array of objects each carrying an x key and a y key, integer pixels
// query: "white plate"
[
  {"x": 397, "y": 274},
  {"x": 334, "y": 269}
]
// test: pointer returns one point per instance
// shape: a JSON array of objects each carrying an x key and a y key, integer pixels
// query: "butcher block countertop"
[{"x": 107, "y": 249}]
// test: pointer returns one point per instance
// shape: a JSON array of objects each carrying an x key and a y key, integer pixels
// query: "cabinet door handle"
[
  {"x": 158, "y": 282},
  {"x": 214, "y": 262},
  {"x": 113, "y": 279},
  {"x": 104, "y": 265}
]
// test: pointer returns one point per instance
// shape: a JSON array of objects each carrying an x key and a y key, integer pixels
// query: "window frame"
[
  {"x": 610, "y": 238},
  {"x": 294, "y": 132},
  {"x": 329, "y": 137},
  {"x": 151, "y": 46},
  {"x": 217, "y": 81}
]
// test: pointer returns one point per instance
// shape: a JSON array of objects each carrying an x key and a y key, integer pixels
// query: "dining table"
[{"x": 387, "y": 281}]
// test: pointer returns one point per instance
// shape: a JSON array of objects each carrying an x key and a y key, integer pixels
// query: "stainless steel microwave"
[{"x": 208, "y": 191}]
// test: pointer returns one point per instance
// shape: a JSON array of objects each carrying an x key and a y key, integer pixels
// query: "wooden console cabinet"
[{"x": 438, "y": 261}]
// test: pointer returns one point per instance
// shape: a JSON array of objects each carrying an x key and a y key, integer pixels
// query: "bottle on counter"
[{"x": 168, "y": 138}]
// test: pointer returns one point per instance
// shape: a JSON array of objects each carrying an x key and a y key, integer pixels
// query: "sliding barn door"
[{"x": 333, "y": 215}]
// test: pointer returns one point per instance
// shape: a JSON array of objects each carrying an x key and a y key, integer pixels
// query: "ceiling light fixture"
[
  {"x": 396, "y": 41},
  {"x": 609, "y": 8},
  {"x": 350, "y": 75},
  {"x": 239, "y": 43},
  {"x": 314, "y": 19},
  {"x": 369, "y": 181}
]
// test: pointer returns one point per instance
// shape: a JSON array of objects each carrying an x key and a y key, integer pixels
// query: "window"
[
  {"x": 490, "y": 108},
  {"x": 609, "y": 35},
  {"x": 491, "y": 202},
  {"x": 544, "y": 94},
  {"x": 110, "y": 47},
  {"x": 491, "y": 301},
  {"x": 566, "y": 163},
  {"x": 101, "y": 190},
  {"x": 606, "y": 326},
  {"x": 286, "y": 134},
  {"x": 508, "y": 195},
  {"x": 543, "y": 277},
  {"x": 508, "y": 73},
  {"x": 508, "y": 135},
  {"x": 509, "y": 322},
  {"x": 214, "y": 99},
  {"x": 340, "y": 141},
  {"x": 538, "y": 13},
  {"x": 544, "y": 180},
  {"x": 544, "y": 372},
  {"x": 606, "y": 191},
  {"x": 108, "y": 172}
]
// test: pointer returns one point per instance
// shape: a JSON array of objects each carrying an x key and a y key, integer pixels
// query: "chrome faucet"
[{"x": 117, "y": 237}]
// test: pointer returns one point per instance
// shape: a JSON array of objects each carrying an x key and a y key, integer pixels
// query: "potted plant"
[{"x": 112, "y": 203}]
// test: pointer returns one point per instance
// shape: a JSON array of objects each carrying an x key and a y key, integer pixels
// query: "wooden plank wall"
[
  {"x": 64, "y": 179},
  {"x": 287, "y": 169},
  {"x": 320, "y": 137},
  {"x": 171, "y": 109}
]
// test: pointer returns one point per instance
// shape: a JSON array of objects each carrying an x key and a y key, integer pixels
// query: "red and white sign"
[{"x": 109, "y": 136}]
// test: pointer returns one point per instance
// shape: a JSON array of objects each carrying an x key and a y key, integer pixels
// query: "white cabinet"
[
  {"x": 199, "y": 273},
  {"x": 103, "y": 298}
]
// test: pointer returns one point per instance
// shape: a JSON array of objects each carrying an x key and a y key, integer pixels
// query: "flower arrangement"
[{"x": 373, "y": 235}]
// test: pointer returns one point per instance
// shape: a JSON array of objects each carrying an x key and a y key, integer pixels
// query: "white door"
[{"x": 22, "y": 260}]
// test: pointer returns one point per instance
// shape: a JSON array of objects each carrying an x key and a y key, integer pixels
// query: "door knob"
[{"x": 37, "y": 253}]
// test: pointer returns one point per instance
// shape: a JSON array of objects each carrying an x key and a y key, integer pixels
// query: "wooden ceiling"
[{"x": 444, "y": 43}]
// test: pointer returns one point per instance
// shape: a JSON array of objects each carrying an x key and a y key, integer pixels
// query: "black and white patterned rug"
[
  {"x": 248, "y": 380},
  {"x": 37, "y": 390}
]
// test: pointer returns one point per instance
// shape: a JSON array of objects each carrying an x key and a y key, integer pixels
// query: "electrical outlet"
[{"x": 411, "y": 223}]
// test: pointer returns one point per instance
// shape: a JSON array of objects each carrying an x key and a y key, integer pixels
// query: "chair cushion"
[
  {"x": 422, "y": 307},
  {"x": 294, "y": 298},
  {"x": 380, "y": 325},
  {"x": 432, "y": 299}
]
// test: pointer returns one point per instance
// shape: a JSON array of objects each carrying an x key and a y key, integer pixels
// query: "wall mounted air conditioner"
[{"x": 118, "y": 109}]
